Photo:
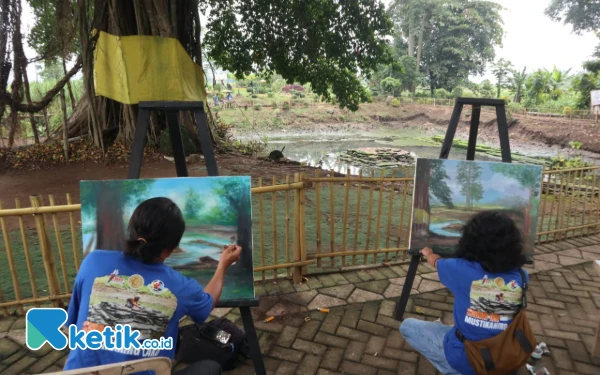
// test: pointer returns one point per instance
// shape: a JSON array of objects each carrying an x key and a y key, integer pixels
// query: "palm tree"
[
  {"x": 559, "y": 82},
  {"x": 517, "y": 82}
]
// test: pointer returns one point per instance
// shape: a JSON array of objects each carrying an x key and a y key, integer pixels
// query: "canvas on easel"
[
  {"x": 217, "y": 212},
  {"x": 447, "y": 193}
]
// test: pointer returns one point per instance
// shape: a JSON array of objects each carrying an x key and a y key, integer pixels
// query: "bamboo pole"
[
  {"x": 274, "y": 218},
  {"x": 580, "y": 199},
  {"x": 543, "y": 201},
  {"x": 370, "y": 217},
  {"x": 559, "y": 207},
  {"x": 570, "y": 203},
  {"x": 345, "y": 218},
  {"x": 261, "y": 228},
  {"x": 47, "y": 255},
  {"x": 270, "y": 189},
  {"x": 39, "y": 210},
  {"x": 11, "y": 261},
  {"x": 297, "y": 278},
  {"x": 303, "y": 255},
  {"x": 406, "y": 239},
  {"x": 61, "y": 253},
  {"x": 564, "y": 170},
  {"x": 27, "y": 253},
  {"x": 332, "y": 216},
  {"x": 357, "y": 224},
  {"x": 591, "y": 203},
  {"x": 551, "y": 207},
  {"x": 285, "y": 265},
  {"x": 400, "y": 225},
  {"x": 389, "y": 218},
  {"x": 597, "y": 207},
  {"x": 287, "y": 223},
  {"x": 35, "y": 301},
  {"x": 560, "y": 230},
  {"x": 318, "y": 208},
  {"x": 379, "y": 209},
  {"x": 364, "y": 252},
  {"x": 357, "y": 179},
  {"x": 73, "y": 236}
]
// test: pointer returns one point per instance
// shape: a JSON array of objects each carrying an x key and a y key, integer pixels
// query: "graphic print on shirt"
[
  {"x": 120, "y": 299},
  {"x": 493, "y": 302}
]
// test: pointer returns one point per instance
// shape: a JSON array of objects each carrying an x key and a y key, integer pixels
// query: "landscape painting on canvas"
[
  {"x": 448, "y": 192},
  {"x": 217, "y": 212}
]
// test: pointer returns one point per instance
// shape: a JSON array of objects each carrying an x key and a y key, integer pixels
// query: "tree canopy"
[{"x": 581, "y": 15}]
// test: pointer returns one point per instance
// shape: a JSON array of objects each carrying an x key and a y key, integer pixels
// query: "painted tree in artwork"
[
  {"x": 193, "y": 204},
  {"x": 431, "y": 176},
  {"x": 108, "y": 200},
  {"x": 469, "y": 178},
  {"x": 529, "y": 177},
  {"x": 234, "y": 195}
]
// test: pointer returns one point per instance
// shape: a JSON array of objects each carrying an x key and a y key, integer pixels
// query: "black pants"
[{"x": 204, "y": 367}]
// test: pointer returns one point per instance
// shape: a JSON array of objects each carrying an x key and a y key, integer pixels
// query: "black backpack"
[{"x": 195, "y": 344}]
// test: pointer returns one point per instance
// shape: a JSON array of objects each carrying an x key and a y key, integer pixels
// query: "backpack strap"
[{"x": 524, "y": 289}]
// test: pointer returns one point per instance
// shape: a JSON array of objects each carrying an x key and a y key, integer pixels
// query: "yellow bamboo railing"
[{"x": 365, "y": 219}]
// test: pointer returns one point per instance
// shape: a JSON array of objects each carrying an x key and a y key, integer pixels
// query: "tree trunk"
[
  {"x": 45, "y": 113},
  {"x": 421, "y": 225},
  {"x": 420, "y": 45},
  {"x": 36, "y": 135},
  {"x": 110, "y": 228},
  {"x": 69, "y": 89},
  {"x": 411, "y": 33}
]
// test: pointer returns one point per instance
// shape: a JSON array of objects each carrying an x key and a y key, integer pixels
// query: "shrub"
[
  {"x": 457, "y": 92},
  {"x": 286, "y": 106},
  {"x": 306, "y": 105},
  {"x": 270, "y": 95},
  {"x": 568, "y": 111},
  {"x": 342, "y": 118},
  {"x": 274, "y": 105},
  {"x": 257, "y": 107},
  {"x": 442, "y": 94},
  {"x": 395, "y": 103},
  {"x": 575, "y": 144},
  {"x": 254, "y": 96},
  {"x": 250, "y": 90}
]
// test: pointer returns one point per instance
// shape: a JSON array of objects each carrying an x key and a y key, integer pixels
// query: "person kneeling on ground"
[
  {"x": 488, "y": 260},
  {"x": 155, "y": 230}
]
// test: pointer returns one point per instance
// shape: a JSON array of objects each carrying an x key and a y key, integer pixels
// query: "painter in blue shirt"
[
  {"x": 135, "y": 287},
  {"x": 486, "y": 283}
]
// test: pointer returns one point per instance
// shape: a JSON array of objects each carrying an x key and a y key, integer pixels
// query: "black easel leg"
[
  {"x": 139, "y": 142},
  {"x": 206, "y": 143},
  {"x": 177, "y": 144},
  {"x": 252, "y": 337},
  {"x": 408, "y": 283},
  {"x": 503, "y": 132},
  {"x": 475, "y": 116},
  {"x": 451, "y": 131}
]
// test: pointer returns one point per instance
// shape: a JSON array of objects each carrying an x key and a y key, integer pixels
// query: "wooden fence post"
[
  {"x": 47, "y": 254},
  {"x": 303, "y": 225}
]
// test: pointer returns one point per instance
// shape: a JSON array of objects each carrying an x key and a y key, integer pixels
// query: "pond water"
[
  {"x": 194, "y": 250},
  {"x": 324, "y": 152},
  {"x": 438, "y": 228}
]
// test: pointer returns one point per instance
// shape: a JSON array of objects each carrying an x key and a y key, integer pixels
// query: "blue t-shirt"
[
  {"x": 111, "y": 288},
  {"x": 484, "y": 305}
]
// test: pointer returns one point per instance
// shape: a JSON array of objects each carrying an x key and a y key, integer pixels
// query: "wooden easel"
[
  {"x": 476, "y": 104},
  {"x": 135, "y": 165}
]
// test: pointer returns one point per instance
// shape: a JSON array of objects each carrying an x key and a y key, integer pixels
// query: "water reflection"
[{"x": 324, "y": 153}]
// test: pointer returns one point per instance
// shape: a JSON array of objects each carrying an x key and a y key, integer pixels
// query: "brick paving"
[{"x": 359, "y": 336}]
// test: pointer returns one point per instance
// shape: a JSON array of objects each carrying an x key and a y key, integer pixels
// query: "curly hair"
[{"x": 492, "y": 239}]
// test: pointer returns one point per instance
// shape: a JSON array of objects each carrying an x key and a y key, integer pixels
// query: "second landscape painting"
[
  {"x": 217, "y": 212},
  {"x": 448, "y": 192}
]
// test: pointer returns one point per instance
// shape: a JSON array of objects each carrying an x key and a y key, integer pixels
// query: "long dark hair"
[
  {"x": 492, "y": 239},
  {"x": 156, "y": 225}
]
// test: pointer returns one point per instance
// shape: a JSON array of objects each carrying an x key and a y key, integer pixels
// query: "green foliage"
[
  {"x": 395, "y": 103},
  {"x": 285, "y": 106},
  {"x": 442, "y": 94},
  {"x": 568, "y": 111},
  {"x": 391, "y": 86},
  {"x": 254, "y": 96},
  {"x": 306, "y": 105},
  {"x": 581, "y": 15},
  {"x": 584, "y": 84},
  {"x": 528, "y": 176},
  {"x": 469, "y": 175},
  {"x": 270, "y": 95},
  {"x": 437, "y": 185},
  {"x": 457, "y": 92},
  {"x": 274, "y": 105},
  {"x": 575, "y": 144},
  {"x": 314, "y": 45},
  {"x": 501, "y": 70},
  {"x": 257, "y": 107},
  {"x": 193, "y": 204}
]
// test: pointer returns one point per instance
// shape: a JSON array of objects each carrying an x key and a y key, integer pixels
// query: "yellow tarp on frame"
[{"x": 131, "y": 69}]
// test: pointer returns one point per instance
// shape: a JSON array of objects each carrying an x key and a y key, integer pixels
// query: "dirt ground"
[{"x": 524, "y": 131}]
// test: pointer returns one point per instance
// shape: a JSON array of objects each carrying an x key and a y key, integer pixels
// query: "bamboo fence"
[{"x": 301, "y": 224}]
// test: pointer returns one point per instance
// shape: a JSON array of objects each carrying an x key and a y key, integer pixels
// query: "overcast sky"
[{"x": 531, "y": 39}]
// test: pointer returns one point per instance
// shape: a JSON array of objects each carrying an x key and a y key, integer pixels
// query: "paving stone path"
[{"x": 359, "y": 336}]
